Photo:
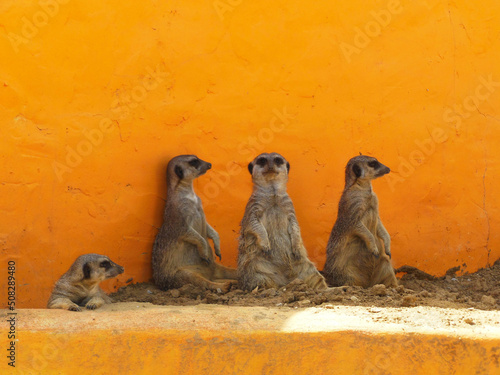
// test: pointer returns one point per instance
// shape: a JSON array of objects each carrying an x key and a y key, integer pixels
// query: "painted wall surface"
[{"x": 96, "y": 97}]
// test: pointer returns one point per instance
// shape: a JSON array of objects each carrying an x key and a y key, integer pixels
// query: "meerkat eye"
[
  {"x": 261, "y": 161},
  {"x": 105, "y": 264},
  {"x": 278, "y": 161},
  {"x": 194, "y": 163},
  {"x": 374, "y": 164}
]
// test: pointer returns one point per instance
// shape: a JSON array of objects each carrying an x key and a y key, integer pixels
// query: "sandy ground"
[{"x": 480, "y": 290}]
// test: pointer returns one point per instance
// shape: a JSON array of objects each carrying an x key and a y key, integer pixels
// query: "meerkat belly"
[
  {"x": 370, "y": 220},
  {"x": 276, "y": 223}
]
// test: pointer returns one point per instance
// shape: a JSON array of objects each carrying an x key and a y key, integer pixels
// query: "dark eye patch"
[
  {"x": 105, "y": 264},
  {"x": 374, "y": 164},
  {"x": 194, "y": 163},
  {"x": 261, "y": 161},
  {"x": 278, "y": 161}
]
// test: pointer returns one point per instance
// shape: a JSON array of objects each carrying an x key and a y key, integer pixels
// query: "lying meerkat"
[
  {"x": 181, "y": 252},
  {"x": 271, "y": 252},
  {"x": 79, "y": 286},
  {"x": 359, "y": 248}
]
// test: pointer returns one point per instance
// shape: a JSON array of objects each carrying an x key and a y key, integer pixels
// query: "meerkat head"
[
  {"x": 269, "y": 169},
  {"x": 95, "y": 268},
  {"x": 364, "y": 167},
  {"x": 185, "y": 168}
]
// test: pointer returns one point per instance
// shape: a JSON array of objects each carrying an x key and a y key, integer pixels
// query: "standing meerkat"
[
  {"x": 359, "y": 248},
  {"x": 181, "y": 252},
  {"x": 79, "y": 286},
  {"x": 271, "y": 252}
]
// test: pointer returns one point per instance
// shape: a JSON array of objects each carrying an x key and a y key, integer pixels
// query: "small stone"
[
  {"x": 318, "y": 300},
  {"x": 288, "y": 298},
  {"x": 149, "y": 292},
  {"x": 219, "y": 290},
  {"x": 304, "y": 302},
  {"x": 488, "y": 300},
  {"x": 212, "y": 298},
  {"x": 409, "y": 301},
  {"x": 269, "y": 292},
  {"x": 255, "y": 290},
  {"x": 330, "y": 292},
  {"x": 175, "y": 293},
  {"x": 379, "y": 290},
  {"x": 469, "y": 321},
  {"x": 354, "y": 299}
]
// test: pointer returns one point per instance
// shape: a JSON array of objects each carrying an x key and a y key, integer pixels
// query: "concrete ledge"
[{"x": 210, "y": 339}]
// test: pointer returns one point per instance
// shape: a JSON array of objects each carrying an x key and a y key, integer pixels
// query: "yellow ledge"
[{"x": 140, "y": 338}]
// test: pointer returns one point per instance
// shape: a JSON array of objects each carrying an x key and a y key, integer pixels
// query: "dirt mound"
[{"x": 479, "y": 290}]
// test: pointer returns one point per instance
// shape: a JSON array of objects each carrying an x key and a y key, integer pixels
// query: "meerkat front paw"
[
  {"x": 217, "y": 252},
  {"x": 388, "y": 250},
  {"x": 206, "y": 259},
  {"x": 225, "y": 286},
  {"x": 94, "y": 303},
  {"x": 74, "y": 307},
  {"x": 297, "y": 252},
  {"x": 265, "y": 245}
]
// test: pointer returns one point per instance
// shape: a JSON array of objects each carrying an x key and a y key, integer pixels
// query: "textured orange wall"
[{"x": 96, "y": 97}]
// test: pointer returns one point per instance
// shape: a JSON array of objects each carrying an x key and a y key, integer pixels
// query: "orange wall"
[{"x": 414, "y": 83}]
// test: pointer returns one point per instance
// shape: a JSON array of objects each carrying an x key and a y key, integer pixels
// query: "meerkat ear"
[
  {"x": 358, "y": 171},
  {"x": 179, "y": 172},
  {"x": 287, "y": 167},
  {"x": 86, "y": 271},
  {"x": 250, "y": 167}
]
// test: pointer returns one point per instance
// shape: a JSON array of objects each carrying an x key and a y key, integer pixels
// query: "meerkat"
[
  {"x": 359, "y": 248},
  {"x": 271, "y": 252},
  {"x": 79, "y": 286},
  {"x": 181, "y": 252}
]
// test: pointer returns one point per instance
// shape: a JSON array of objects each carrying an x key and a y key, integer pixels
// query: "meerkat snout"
[
  {"x": 195, "y": 167},
  {"x": 104, "y": 270},
  {"x": 268, "y": 168},
  {"x": 365, "y": 168}
]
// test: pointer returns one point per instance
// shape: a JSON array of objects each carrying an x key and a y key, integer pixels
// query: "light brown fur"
[
  {"x": 359, "y": 248},
  {"x": 181, "y": 252},
  {"x": 271, "y": 252},
  {"x": 79, "y": 286}
]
